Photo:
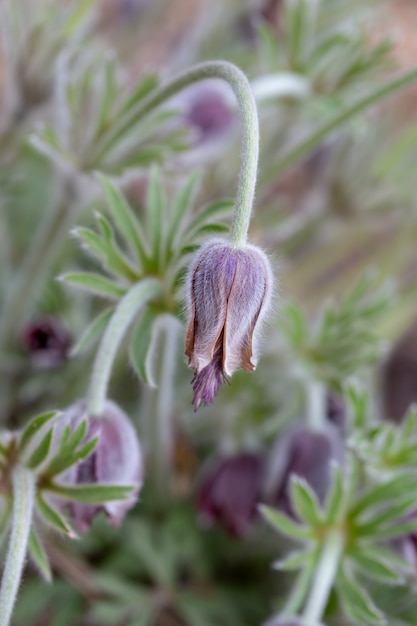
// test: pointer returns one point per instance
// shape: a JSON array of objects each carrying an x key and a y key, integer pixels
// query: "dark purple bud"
[
  {"x": 229, "y": 291},
  {"x": 304, "y": 453},
  {"x": 336, "y": 411},
  {"x": 47, "y": 340},
  {"x": 230, "y": 491},
  {"x": 209, "y": 113},
  {"x": 399, "y": 376},
  {"x": 116, "y": 460}
]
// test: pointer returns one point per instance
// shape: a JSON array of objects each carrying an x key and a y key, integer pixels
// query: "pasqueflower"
[
  {"x": 305, "y": 453},
  {"x": 116, "y": 460},
  {"x": 229, "y": 292},
  {"x": 230, "y": 491}
]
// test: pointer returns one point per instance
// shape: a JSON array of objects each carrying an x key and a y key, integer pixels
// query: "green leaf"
[
  {"x": 5, "y": 517},
  {"x": 125, "y": 219},
  {"x": 92, "y": 494},
  {"x": 140, "y": 348},
  {"x": 205, "y": 217},
  {"x": 68, "y": 456},
  {"x": 52, "y": 517},
  {"x": 108, "y": 253},
  {"x": 305, "y": 501},
  {"x": 146, "y": 85},
  {"x": 284, "y": 524},
  {"x": 34, "y": 427},
  {"x": 356, "y": 602},
  {"x": 92, "y": 332},
  {"x": 155, "y": 206},
  {"x": 375, "y": 566},
  {"x": 39, "y": 556},
  {"x": 41, "y": 451},
  {"x": 295, "y": 560},
  {"x": 179, "y": 210},
  {"x": 380, "y": 494},
  {"x": 96, "y": 284},
  {"x": 334, "y": 508},
  {"x": 394, "y": 511}
]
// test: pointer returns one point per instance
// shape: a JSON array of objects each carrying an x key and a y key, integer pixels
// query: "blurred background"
[{"x": 338, "y": 219}]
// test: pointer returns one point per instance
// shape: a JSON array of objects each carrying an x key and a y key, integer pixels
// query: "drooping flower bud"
[
  {"x": 47, "y": 340},
  {"x": 230, "y": 491},
  {"x": 229, "y": 291},
  {"x": 304, "y": 453},
  {"x": 116, "y": 460}
]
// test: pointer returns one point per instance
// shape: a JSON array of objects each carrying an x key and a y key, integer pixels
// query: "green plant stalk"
[
  {"x": 250, "y": 132},
  {"x": 23, "y": 481},
  {"x": 159, "y": 418},
  {"x": 46, "y": 243},
  {"x": 316, "y": 405},
  {"x": 316, "y": 137},
  {"x": 324, "y": 578},
  {"x": 127, "y": 309}
]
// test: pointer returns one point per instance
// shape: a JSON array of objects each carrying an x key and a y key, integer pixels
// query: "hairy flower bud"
[
  {"x": 304, "y": 453},
  {"x": 228, "y": 293},
  {"x": 230, "y": 492},
  {"x": 116, "y": 460}
]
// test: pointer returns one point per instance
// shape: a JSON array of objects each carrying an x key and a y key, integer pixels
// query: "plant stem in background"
[
  {"x": 304, "y": 147},
  {"x": 127, "y": 309},
  {"x": 316, "y": 408},
  {"x": 250, "y": 132},
  {"x": 323, "y": 578},
  {"x": 23, "y": 500},
  {"x": 159, "y": 418},
  {"x": 47, "y": 242}
]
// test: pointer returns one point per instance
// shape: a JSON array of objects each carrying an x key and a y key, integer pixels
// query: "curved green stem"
[
  {"x": 250, "y": 132},
  {"x": 23, "y": 501},
  {"x": 123, "y": 316},
  {"x": 324, "y": 578},
  {"x": 304, "y": 147}
]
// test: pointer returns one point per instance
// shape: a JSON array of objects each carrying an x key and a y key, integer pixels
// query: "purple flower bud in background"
[
  {"x": 230, "y": 491},
  {"x": 116, "y": 460},
  {"x": 229, "y": 291},
  {"x": 336, "y": 411},
  {"x": 209, "y": 113},
  {"x": 399, "y": 376},
  {"x": 304, "y": 453},
  {"x": 47, "y": 341}
]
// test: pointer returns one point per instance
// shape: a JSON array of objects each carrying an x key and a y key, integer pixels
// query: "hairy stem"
[
  {"x": 250, "y": 132},
  {"x": 125, "y": 312},
  {"x": 323, "y": 579},
  {"x": 23, "y": 501},
  {"x": 316, "y": 407},
  {"x": 160, "y": 418}
]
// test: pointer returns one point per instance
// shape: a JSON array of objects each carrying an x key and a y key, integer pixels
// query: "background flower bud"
[
  {"x": 47, "y": 340},
  {"x": 399, "y": 376},
  {"x": 116, "y": 460},
  {"x": 304, "y": 453},
  {"x": 229, "y": 492}
]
